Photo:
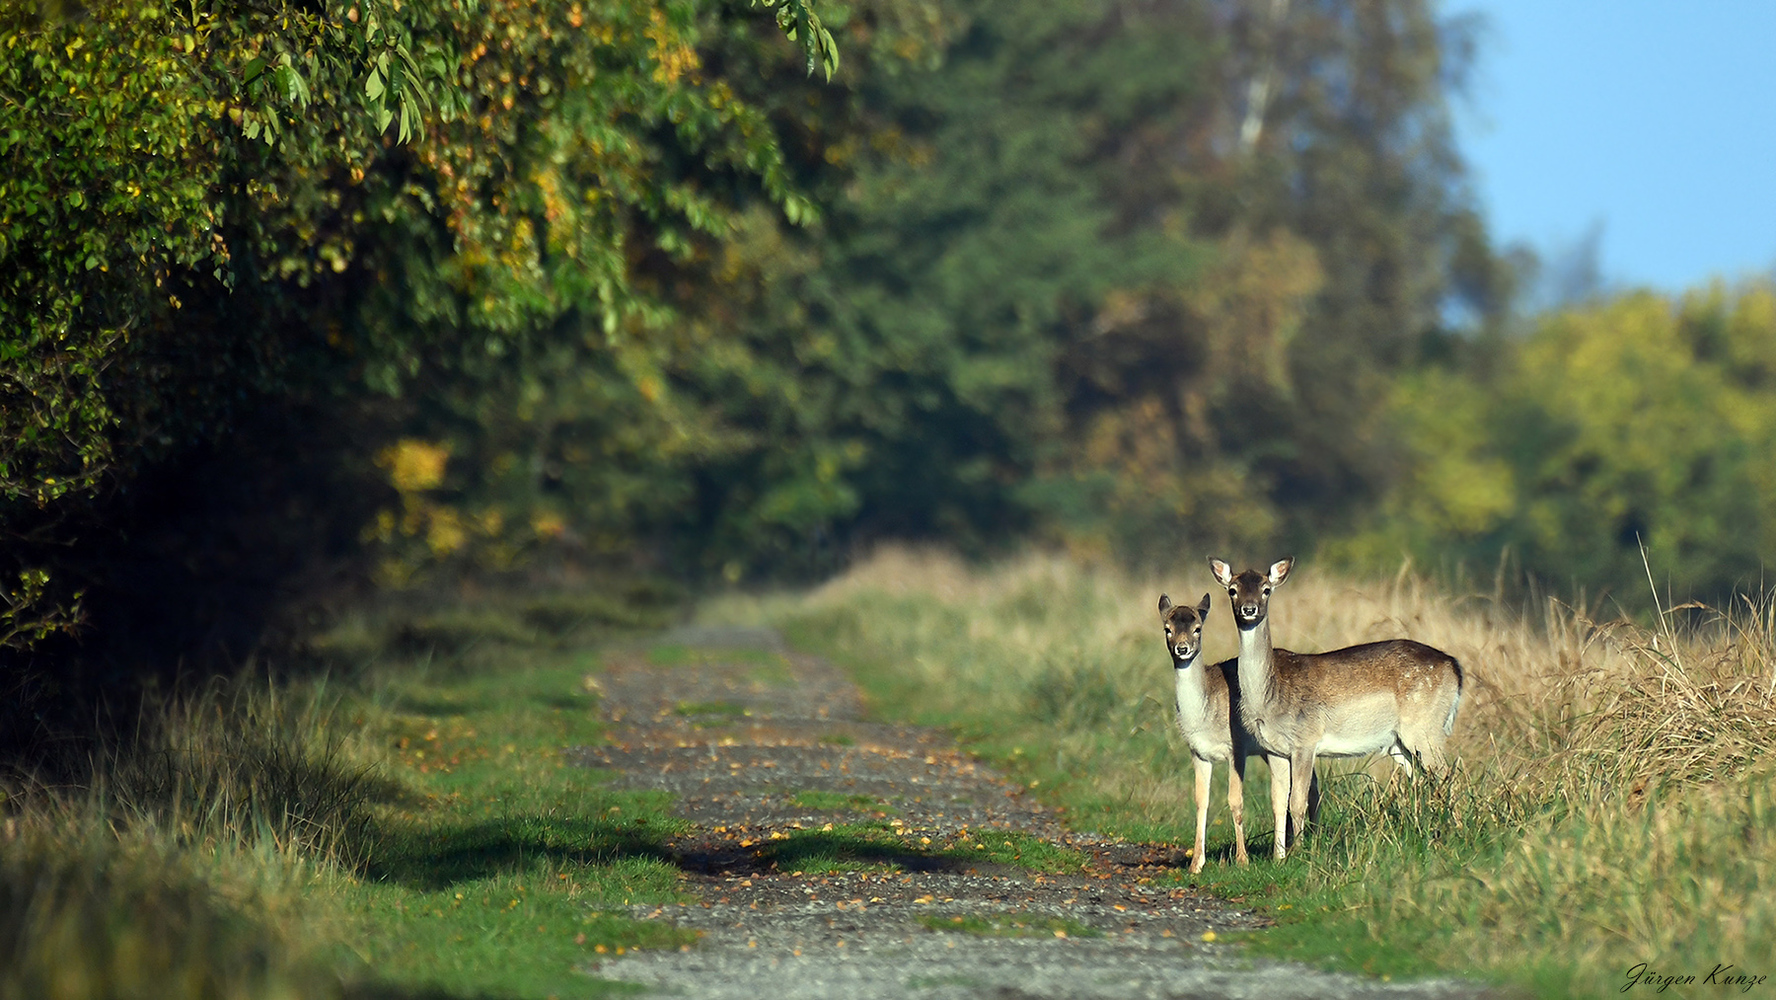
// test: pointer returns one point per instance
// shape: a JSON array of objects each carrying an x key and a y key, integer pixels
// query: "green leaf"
[{"x": 291, "y": 86}]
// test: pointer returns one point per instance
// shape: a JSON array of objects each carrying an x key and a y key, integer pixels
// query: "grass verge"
[{"x": 501, "y": 860}]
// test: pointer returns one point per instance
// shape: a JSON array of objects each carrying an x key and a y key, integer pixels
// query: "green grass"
[
  {"x": 1011, "y": 925},
  {"x": 516, "y": 934},
  {"x": 896, "y": 847},
  {"x": 1010, "y": 847},
  {"x": 841, "y": 802},
  {"x": 843, "y": 847},
  {"x": 499, "y": 871},
  {"x": 725, "y": 710}
]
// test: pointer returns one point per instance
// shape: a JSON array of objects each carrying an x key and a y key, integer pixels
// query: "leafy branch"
[{"x": 801, "y": 24}]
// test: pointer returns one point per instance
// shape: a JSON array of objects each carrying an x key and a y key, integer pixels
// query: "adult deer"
[
  {"x": 1396, "y": 695},
  {"x": 1209, "y": 718}
]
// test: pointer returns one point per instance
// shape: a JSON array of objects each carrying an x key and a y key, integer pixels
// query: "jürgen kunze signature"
[{"x": 1721, "y": 975}]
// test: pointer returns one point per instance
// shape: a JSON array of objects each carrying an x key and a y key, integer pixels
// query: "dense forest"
[{"x": 304, "y": 297}]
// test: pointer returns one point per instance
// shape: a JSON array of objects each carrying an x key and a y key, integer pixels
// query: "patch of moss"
[
  {"x": 1012, "y": 924},
  {"x": 839, "y": 801}
]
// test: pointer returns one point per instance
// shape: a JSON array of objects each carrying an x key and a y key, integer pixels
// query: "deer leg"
[
  {"x": 1301, "y": 775},
  {"x": 1402, "y": 757},
  {"x": 1279, "y": 802},
  {"x": 1431, "y": 755},
  {"x": 1236, "y": 802},
  {"x": 1204, "y": 770}
]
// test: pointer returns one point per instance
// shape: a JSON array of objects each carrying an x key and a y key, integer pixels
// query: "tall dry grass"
[
  {"x": 179, "y": 869},
  {"x": 89, "y": 912},
  {"x": 1610, "y": 804}
]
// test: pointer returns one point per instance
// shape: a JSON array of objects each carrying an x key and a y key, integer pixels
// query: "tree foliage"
[
  {"x": 644, "y": 281},
  {"x": 1084, "y": 283},
  {"x": 1633, "y": 422},
  {"x": 631, "y": 282},
  {"x": 926, "y": 317},
  {"x": 617, "y": 433},
  {"x": 641, "y": 280},
  {"x": 207, "y": 206}
]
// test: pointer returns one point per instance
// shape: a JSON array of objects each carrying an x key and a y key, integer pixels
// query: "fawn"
[
  {"x": 1209, "y": 717},
  {"x": 1397, "y": 695}
]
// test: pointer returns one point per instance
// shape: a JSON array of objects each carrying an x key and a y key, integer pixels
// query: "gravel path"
[{"x": 768, "y": 755}]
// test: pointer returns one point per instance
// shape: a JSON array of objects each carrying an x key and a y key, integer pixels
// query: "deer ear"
[
  {"x": 1223, "y": 572},
  {"x": 1165, "y": 605},
  {"x": 1279, "y": 570},
  {"x": 1202, "y": 610}
]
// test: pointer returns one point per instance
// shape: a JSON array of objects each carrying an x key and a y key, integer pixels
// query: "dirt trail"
[{"x": 898, "y": 831}]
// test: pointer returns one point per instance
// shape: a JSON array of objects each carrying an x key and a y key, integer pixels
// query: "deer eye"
[{"x": 1267, "y": 590}]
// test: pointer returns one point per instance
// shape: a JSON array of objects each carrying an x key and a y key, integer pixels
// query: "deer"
[
  {"x": 1209, "y": 718},
  {"x": 1396, "y": 695}
]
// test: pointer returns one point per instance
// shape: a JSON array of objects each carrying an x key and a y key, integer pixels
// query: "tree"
[
  {"x": 1626, "y": 425},
  {"x": 921, "y": 325},
  {"x": 1130, "y": 274}
]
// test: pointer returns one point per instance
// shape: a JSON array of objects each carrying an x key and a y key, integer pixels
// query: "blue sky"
[{"x": 1653, "y": 120}]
